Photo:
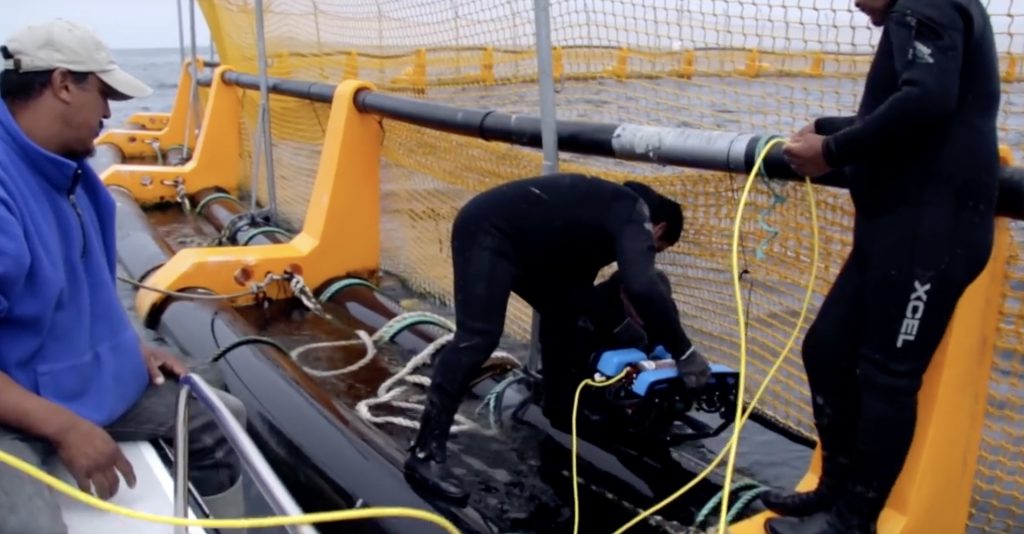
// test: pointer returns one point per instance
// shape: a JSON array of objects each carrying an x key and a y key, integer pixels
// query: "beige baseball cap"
[{"x": 60, "y": 44}]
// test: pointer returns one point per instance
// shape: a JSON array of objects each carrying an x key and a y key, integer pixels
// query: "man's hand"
[
  {"x": 158, "y": 359},
  {"x": 804, "y": 152},
  {"x": 693, "y": 369},
  {"x": 92, "y": 457}
]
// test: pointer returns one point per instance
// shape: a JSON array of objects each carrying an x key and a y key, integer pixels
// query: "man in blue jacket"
[{"x": 74, "y": 374}]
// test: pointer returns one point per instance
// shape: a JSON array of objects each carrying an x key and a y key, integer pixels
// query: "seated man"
[
  {"x": 546, "y": 239},
  {"x": 74, "y": 374}
]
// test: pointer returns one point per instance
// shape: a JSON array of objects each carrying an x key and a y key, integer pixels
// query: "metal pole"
[
  {"x": 278, "y": 497},
  {"x": 548, "y": 131},
  {"x": 193, "y": 97},
  {"x": 268, "y": 148},
  {"x": 181, "y": 33},
  {"x": 181, "y": 457}
]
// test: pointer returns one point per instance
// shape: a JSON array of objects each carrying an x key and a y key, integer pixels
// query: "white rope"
[{"x": 396, "y": 391}]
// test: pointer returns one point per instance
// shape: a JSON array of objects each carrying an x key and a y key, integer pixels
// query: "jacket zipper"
[{"x": 74, "y": 204}]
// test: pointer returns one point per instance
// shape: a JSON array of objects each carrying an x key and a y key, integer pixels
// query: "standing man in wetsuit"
[
  {"x": 921, "y": 156},
  {"x": 546, "y": 239}
]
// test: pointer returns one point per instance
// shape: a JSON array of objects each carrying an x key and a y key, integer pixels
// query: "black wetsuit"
[
  {"x": 546, "y": 239},
  {"x": 921, "y": 158}
]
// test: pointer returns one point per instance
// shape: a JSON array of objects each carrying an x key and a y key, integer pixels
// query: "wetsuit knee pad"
[{"x": 884, "y": 376}]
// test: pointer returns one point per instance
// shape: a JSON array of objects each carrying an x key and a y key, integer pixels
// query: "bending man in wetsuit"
[
  {"x": 546, "y": 239},
  {"x": 922, "y": 161}
]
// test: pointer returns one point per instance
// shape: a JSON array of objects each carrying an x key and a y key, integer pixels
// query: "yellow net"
[{"x": 747, "y": 66}]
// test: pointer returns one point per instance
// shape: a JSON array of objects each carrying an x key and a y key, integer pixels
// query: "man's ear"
[
  {"x": 60, "y": 85},
  {"x": 659, "y": 230}
]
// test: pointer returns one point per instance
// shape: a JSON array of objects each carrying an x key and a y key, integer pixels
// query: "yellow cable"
[
  {"x": 575, "y": 479},
  {"x": 741, "y": 419},
  {"x": 255, "y": 522}
]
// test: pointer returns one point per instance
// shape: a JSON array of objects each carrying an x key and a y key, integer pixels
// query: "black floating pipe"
[
  {"x": 222, "y": 210},
  {"x": 142, "y": 250},
  {"x": 701, "y": 149},
  {"x": 325, "y": 454},
  {"x": 105, "y": 156}
]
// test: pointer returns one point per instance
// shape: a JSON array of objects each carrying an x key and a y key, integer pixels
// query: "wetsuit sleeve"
[
  {"x": 833, "y": 125},
  {"x": 635, "y": 252},
  {"x": 13, "y": 255},
  {"x": 926, "y": 54}
]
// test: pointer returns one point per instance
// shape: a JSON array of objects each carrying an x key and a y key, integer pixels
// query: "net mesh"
[{"x": 716, "y": 64}]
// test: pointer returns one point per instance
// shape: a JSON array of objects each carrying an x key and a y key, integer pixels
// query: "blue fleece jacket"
[{"x": 63, "y": 332}]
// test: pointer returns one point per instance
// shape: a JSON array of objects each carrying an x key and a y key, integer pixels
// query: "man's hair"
[
  {"x": 663, "y": 210},
  {"x": 21, "y": 87}
]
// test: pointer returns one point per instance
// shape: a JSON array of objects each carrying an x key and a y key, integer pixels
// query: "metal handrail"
[{"x": 266, "y": 479}]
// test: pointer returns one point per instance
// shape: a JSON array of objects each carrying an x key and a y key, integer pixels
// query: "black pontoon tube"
[
  {"x": 324, "y": 453},
  {"x": 140, "y": 249},
  {"x": 105, "y": 156},
  {"x": 688, "y": 147},
  {"x": 225, "y": 211}
]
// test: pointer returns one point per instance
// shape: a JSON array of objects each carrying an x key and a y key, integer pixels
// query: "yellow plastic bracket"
[
  {"x": 167, "y": 129},
  {"x": 1012, "y": 68},
  {"x": 752, "y": 66},
  {"x": 217, "y": 160},
  {"x": 621, "y": 68},
  {"x": 558, "y": 58},
  {"x": 687, "y": 65},
  {"x": 487, "y": 66},
  {"x": 352, "y": 66},
  {"x": 933, "y": 493},
  {"x": 149, "y": 121},
  {"x": 341, "y": 233},
  {"x": 817, "y": 67}
]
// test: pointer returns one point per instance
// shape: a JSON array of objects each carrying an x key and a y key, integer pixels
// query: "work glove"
[{"x": 693, "y": 369}]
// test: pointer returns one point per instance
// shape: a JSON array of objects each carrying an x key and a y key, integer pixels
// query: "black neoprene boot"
[
  {"x": 834, "y": 476},
  {"x": 856, "y": 510},
  {"x": 427, "y": 463}
]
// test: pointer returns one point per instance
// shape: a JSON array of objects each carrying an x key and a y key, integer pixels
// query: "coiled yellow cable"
[
  {"x": 741, "y": 416},
  {"x": 254, "y": 522}
]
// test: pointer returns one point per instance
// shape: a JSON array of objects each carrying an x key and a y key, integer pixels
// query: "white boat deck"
[{"x": 153, "y": 493}]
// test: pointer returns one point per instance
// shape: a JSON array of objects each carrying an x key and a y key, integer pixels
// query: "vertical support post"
[
  {"x": 264, "y": 119},
  {"x": 181, "y": 457},
  {"x": 548, "y": 131},
  {"x": 181, "y": 34},
  {"x": 193, "y": 96}
]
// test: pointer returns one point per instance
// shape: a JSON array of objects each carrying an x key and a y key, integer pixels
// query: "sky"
[
  {"x": 120, "y": 23},
  {"x": 662, "y": 24}
]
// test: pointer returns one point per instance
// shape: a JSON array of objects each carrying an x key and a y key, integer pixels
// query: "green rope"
[
  {"x": 714, "y": 502},
  {"x": 742, "y": 504},
  {"x": 332, "y": 289},
  {"x": 777, "y": 200},
  {"x": 265, "y": 230},
  {"x": 211, "y": 198},
  {"x": 413, "y": 319}
]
